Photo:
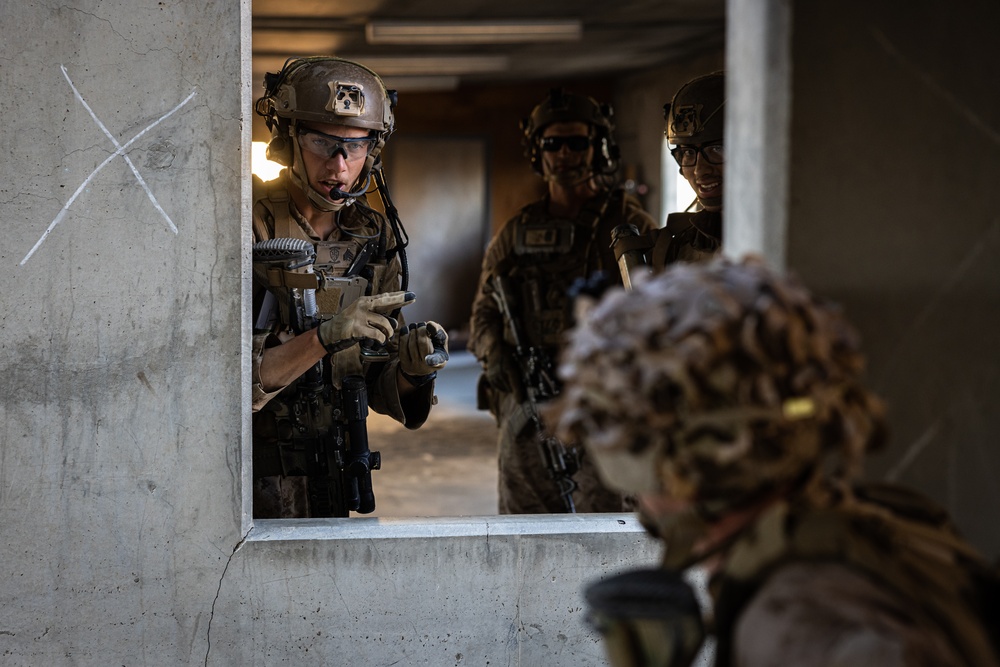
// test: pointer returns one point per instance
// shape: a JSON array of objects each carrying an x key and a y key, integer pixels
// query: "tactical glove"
[
  {"x": 363, "y": 319},
  {"x": 423, "y": 350}
]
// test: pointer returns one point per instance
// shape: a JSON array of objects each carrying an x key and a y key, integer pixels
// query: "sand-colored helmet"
[
  {"x": 717, "y": 383},
  {"x": 561, "y": 106},
  {"x": 324, "y": 89},
  {"x": 696, "y": 115}
]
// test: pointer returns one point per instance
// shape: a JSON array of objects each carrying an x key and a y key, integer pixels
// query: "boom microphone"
[{"x": 337, "y": 193}]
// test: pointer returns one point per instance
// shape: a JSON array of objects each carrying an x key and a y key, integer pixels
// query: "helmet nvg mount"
[
  {"x": 562, "y": 106},
  {"x": 695, "y": 114},
  {"x": 324, "y": 90}
]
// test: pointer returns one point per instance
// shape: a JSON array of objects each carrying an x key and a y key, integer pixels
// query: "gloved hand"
[
  {"x": 423, "y": 350},
  {"x": 363, "y": 319}
]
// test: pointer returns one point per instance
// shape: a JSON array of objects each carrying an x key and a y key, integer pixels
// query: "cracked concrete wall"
[
  {"x": 126, "y": 537},
  {"x": 865, "y": 157}
]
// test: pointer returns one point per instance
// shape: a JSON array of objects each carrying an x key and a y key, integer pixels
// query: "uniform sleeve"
[
  {"x": 262, "y": 221},
  {"x": 383, "y": 390},
  {"x": 828, "y": 615},
  {"x": 486, "y": 326},
  {"x": 260, "y": 397}
]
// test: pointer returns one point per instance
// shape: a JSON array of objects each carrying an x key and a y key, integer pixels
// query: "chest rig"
[
  {"x": 339, "y": 271},
  {"x": 316, "y": 427},
  {"x": 549, "y": 254}
]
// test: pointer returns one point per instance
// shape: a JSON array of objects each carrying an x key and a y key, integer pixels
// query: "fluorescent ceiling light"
[
  {"x": 473, "y": 32},
  {"x": 431, "y": 65}
]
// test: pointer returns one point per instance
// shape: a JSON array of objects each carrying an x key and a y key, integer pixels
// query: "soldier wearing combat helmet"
[
  {"x": 730, "y": 400},
  {"x": 329, "y": 282},
  {"x": 694, "y": 123},
  {"x": 522, "y": 308}
]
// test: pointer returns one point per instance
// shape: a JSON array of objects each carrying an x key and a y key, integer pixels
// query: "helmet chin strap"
[{"x": 315, "y": 198}]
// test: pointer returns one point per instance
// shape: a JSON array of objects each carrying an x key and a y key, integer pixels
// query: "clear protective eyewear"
[
  {"x": 576, "y": 143},
  {"x": 687, "y": 156},
  {"x": 328, "y": 145}
]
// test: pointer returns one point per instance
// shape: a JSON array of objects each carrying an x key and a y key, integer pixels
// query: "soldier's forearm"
[{"x": 282, "y": 364}]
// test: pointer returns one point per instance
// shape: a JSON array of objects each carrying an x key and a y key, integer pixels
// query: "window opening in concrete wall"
[{"x": 448, "y": 467}]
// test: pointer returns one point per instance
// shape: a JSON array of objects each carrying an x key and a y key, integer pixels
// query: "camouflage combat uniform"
[
  {"x": 881, "y": 581},
  {"x": 279, "y": 491},
  {"x": 542, "y": 257}
]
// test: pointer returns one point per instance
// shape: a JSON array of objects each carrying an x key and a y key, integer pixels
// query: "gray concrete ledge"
[{"x": 355, "y": 528}]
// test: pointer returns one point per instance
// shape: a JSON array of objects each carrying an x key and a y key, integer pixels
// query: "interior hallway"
[{"x": 447, "y": 467}]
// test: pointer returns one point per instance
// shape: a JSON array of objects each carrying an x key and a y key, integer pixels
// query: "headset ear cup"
[{"x": 279, "y": 149}]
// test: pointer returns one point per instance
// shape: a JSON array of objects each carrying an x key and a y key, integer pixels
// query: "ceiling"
[{"x": 612, "y": 38}]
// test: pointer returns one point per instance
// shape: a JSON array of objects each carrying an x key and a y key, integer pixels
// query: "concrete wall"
[
  {"x": 123, "y": 498},
  {"x": 865, "y": 156}
]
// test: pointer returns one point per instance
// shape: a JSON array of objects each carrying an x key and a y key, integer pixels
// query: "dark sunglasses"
[{"x": 576, "y": 143}]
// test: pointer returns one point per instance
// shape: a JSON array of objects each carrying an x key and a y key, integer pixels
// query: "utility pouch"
[{"x": 335, "y": 293}]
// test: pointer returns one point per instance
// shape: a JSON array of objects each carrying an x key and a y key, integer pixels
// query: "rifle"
[
  {"x": 631, "y": 250},
  {"x": 327, "y": 435},
  {"x": 540, "y": 383}
]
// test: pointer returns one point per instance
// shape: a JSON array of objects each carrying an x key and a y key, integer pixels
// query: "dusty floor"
[{"x": 447, "y": 467}]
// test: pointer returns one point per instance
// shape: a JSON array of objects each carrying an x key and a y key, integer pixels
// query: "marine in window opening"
[{"x": 330, "y": 280}]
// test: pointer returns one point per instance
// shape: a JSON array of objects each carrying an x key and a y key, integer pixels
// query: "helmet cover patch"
[
  {"x": 346, "y": 99},
  {"x": 687, "y": 120}
]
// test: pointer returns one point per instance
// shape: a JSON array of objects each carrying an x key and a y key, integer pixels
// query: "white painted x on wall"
[{"x": 121, "y": 150}]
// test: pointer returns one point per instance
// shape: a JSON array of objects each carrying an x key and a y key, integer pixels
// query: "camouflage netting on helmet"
[{"x": 724, "y": 379}]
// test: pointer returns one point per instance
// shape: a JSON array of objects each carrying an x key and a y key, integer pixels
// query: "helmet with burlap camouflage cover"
[
  {"x": 695, "y": 114},
  {"x": 717, "y": 384},
  {"x": 561, "y": 106},
  {"x": 324, "y": 89}
]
